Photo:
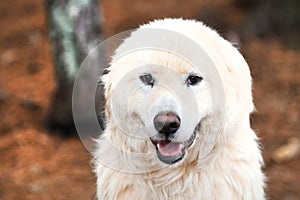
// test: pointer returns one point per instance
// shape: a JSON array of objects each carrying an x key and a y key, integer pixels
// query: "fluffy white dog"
[{"x": 178, "y": 99}]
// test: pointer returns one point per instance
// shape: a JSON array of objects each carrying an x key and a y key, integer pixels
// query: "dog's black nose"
[{"x": 166, "y": 123}]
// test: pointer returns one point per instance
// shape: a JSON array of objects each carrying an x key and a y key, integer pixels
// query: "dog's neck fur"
[{"x": 195, "y": 179}]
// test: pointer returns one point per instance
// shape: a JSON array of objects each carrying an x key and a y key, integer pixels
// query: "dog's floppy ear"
[
  {"x": 99, "y": 104},
  {"x": 107, "y": 99},
  {"x": 100, "y": 101},
  {"x": 106, "y": 83}
]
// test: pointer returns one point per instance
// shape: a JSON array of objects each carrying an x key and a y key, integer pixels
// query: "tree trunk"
[{"x": 75, "y": 29}]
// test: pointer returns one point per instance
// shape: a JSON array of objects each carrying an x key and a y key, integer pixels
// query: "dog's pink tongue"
[{"x": 169, "y": 148}]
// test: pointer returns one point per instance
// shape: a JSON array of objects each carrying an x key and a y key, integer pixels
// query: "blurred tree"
[
  {"x": 273, "y": 18},
  {"x": 75, "y": 29}
]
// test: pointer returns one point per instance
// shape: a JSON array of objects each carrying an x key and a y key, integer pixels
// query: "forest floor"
[{"x": 35, "y": 164}]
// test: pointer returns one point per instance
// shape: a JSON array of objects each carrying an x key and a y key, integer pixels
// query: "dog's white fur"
[{"x": 230, "y": 169}]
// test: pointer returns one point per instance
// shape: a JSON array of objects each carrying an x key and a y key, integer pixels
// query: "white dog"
[{"x": 178, "y": 99}]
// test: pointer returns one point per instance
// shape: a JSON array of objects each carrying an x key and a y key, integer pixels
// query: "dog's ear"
[
  {"x": 107, "y": 99},
  {"x": 100, "y": 103},
  {"x": 106, "y": 83},
  {"x": 101, "y": 110}
]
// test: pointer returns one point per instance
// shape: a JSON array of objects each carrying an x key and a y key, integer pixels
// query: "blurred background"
[{"x": 42, "y": 158}]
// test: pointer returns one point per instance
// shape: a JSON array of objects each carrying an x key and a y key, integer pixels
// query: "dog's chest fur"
[{"x": 224, "y": 179}]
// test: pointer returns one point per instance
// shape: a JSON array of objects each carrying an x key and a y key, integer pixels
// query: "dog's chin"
[{"x": 170, "y": 152}]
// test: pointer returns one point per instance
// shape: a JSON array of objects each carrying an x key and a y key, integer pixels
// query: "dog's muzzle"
[{"x": 169, "y": 151}]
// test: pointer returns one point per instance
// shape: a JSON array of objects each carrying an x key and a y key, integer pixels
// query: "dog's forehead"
[
  {"x": 161, "y": 61},
  {"x": 172, "y": 68},
  {"x": 171, "y": 61},
  {"x": 164, "y": 64}
]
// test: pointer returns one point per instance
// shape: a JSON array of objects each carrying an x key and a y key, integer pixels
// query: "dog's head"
[
  {"x": 162, "y": 102},
  {"x": 159, "y": 100}
]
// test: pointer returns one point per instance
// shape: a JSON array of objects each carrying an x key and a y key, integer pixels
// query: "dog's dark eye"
[
  {"x": 147, "y": 79},
  {"x": 193, "y": 80}
]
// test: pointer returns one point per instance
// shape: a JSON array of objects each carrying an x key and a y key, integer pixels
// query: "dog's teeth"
[{"x": 160, "y": 146}]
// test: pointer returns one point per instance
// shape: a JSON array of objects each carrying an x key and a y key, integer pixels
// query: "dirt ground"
[{"x": 35, "y": 164}]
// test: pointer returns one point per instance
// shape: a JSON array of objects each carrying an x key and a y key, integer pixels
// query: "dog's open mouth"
[{"x": 169, "y": 151}]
